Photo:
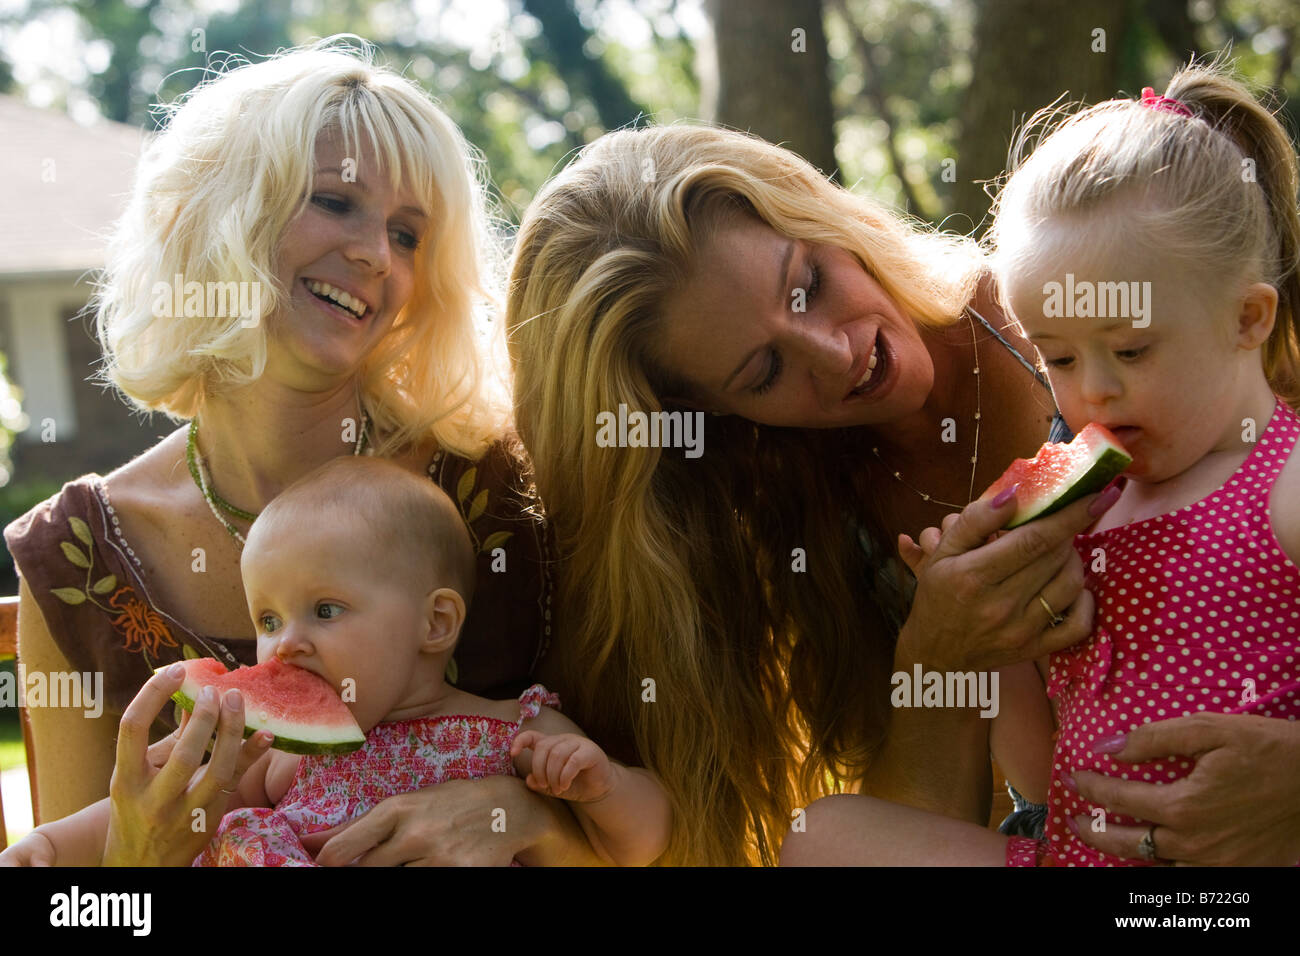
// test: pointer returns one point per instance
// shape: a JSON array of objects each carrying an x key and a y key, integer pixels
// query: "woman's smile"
[
  {"x": 352, "y": 305},
  {"x": 878, "y": 379}
]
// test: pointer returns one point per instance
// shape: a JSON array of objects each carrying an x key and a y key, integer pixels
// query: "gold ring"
[
  {"x": 1147, "y": 845},
  {"x": 1052, "y": 615}
]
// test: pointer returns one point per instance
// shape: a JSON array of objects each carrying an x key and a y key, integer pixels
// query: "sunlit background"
[{"x": 912, "y": 102}]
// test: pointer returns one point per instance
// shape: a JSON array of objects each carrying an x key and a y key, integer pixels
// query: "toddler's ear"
[
  {"x": 445, "y": 613},
  {"x": 1256, "y": 315}
]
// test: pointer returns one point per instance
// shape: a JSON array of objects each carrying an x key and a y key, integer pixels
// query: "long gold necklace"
[{"x": 974, "y": 459}]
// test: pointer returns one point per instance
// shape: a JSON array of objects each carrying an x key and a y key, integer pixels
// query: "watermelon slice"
[
  {"x": 1061, "y": 473},
  {"x": 303, "y": 711}
]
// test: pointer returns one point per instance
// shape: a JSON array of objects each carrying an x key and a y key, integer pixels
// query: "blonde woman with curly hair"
[
  {"x": 733, "y": 614},
  {"x": 298, "y": 275}
]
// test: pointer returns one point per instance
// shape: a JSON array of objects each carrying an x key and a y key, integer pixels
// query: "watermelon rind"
[
  {"x": 290, "y": 737},
  {"x": 1104, "y": 468}
]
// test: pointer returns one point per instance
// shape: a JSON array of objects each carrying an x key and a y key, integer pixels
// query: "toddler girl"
[
  {"x": 360, "y": 573},
  {"x": 1149, "y": 251},
  {"x": 1176, "y": 215}
]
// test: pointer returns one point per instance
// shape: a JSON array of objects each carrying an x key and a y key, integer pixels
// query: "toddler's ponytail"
[{"x": 1270, "y": 160}]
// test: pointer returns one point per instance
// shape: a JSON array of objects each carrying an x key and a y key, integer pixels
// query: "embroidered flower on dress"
[{"x": 142, "y": 626}]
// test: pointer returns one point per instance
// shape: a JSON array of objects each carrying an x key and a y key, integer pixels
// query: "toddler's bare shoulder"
[{"x": 1284, "y": 506}]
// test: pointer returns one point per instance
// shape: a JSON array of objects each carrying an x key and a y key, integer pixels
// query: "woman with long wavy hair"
[{"x": 733, "y": 615}]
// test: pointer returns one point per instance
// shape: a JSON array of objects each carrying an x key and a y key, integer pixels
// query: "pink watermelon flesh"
[
  {"x": 304, "y": 712},
  {"x": 1061, "y": 473}
]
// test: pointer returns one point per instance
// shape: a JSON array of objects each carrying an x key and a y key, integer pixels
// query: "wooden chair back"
[{"x": 9, "y": 648}]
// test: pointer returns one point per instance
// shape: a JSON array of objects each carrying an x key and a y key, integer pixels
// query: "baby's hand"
[
  {"x": 35, "y": 849},
  {"x": 569, "y": 766}
]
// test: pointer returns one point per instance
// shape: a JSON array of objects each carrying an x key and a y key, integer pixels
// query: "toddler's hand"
[
  {"x": 569, "y": 766},
  {"x": 914, "y": 553}
]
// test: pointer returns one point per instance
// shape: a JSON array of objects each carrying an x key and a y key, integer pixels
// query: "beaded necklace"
[
  {"x": 974, "y": 457},
  {"x": 216, "y": 503}
]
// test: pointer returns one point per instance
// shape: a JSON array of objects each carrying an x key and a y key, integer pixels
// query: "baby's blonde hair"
[
  {"x": 1215, "y": 191},
  {"x": 402, "y": 516},
  {"x": 213, "y": 194}
]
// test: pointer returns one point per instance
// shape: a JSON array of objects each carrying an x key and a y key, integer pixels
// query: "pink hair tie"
[{"x": 1149, "y": 99}]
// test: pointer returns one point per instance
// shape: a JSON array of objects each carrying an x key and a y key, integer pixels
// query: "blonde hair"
[
  {"x": 213, "y": 194},
  {"x": 678, "y": 570},
  {"x": 406, "y": 517},
  {"x": 1216, "y": 190}
]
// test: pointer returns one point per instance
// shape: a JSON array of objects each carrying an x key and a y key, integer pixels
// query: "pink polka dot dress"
[
  {"x": 398, "y": 757},
  {"x": 1198, "y": 610}
]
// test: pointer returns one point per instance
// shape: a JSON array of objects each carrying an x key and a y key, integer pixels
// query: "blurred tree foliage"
[{"x": 925, "y": 94}]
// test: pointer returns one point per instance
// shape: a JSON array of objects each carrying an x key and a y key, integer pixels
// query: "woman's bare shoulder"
[
  {"x": 152, "y": 475},
  {"x": 987, "y": 305}
]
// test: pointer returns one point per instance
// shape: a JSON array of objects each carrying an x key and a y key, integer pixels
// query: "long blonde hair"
[
  {"x": 689, "y": 643},
  {"x": 1216, "y": 190},
  {"x": 213, "y": 193}
]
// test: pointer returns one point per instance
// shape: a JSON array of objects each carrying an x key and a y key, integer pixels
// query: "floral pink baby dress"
[
  {"x": 398, "y": 757},
  {"x": 1198, "y": 610}
]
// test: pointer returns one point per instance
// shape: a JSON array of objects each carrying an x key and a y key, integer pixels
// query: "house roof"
[{"x": 59, "y": 225}]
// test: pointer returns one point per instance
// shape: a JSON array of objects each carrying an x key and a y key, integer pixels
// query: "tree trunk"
[
  {"x": 1025, "y": 56},
  {"x": 565, "y": 37},
  {"x": 772, "y": 76}
]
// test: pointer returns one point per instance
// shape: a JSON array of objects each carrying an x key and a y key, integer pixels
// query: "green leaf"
[
  {"x": 73, "y": 554},
  {"x": 81, "y": 530},
  {"x": 69, "y": 595},
  {"x": 466, "y": 484},
  {"x": 495, "y": 540},
  {"x": 479, "y": 505},
  {"x": 105, "y": 584}
]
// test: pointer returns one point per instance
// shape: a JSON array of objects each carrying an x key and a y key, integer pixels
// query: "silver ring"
[
  {"x": 1054, "y": 618},
  {"x": 1147, "y": 845}
]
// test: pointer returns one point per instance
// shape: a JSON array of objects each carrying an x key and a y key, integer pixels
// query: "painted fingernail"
[
  {"x": 1109, "y": 745},
  {"x": 1068, "y": 780},
  {"x": 233, "y": 700},
  {"x": 1005, "y": 496},
  {"x": 176, "y": 670},
  {"x": 1104, "y": 501},
  {"x": 1073, "y": 824}
]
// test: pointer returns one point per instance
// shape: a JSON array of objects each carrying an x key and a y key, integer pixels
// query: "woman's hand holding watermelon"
[
  {"x": 153, "y": 807},
  {"x": 980, "y": 603}
]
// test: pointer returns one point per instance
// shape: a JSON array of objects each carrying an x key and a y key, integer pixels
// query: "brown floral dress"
[{"x": 97, "y": 605}]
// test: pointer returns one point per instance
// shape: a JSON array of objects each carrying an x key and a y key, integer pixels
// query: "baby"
[{"x": 360, "y": 573}]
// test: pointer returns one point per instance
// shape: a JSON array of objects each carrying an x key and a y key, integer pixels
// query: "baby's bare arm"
[
  {"x": 624, "y": 811},
  {"x": 77, "y": 839}
]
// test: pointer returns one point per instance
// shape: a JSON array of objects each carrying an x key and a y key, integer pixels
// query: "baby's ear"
[{"x": 445, "y": 613}]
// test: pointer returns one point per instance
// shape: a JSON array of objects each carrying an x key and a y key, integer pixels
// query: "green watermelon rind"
[
  {"x": 1112, "y": 462},
  {"x": 286, "y": 743}
]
